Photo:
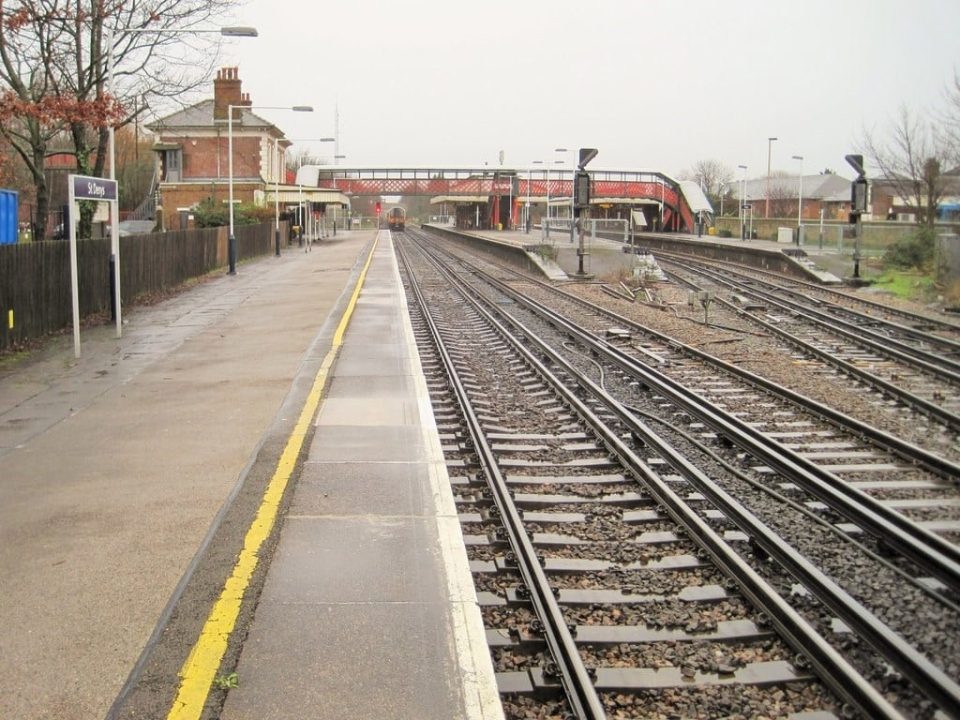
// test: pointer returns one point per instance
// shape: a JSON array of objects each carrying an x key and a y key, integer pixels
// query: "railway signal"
[
  {"x": 581, "y": 198},
  {"x": 858, "y": 205}
]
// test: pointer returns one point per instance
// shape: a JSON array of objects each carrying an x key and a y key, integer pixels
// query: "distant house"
[
  {"x": 827, "y": 193},
  {"x": 191, "y": 150},
  {"x": 887, "y": 202}
]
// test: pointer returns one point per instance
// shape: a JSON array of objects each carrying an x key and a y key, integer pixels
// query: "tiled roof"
[
  {"x": 815, "y": 187},
  {"x": 201, "y": 116}
]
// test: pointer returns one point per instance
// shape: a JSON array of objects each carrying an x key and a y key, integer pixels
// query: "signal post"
[
  {"x": 581, "y": 201},
  {"x": 858, "y": 206}
]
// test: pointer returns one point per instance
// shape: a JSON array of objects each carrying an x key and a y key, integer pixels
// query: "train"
[{"x": 397, "y": 219}]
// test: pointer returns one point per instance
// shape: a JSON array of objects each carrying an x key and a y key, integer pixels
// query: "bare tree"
[
  {"x": 714, "y": 177},
  {"x": 912, "y": 160},
  {"x": 710, "y": 174},
  {"x": 784, "y": 193},
  {"x": 54, "y": 66},
  {"x": 950, "y": 121},
  {"x": 28, "y": 120}
]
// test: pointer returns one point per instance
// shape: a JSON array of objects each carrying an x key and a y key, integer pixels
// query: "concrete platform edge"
[{"x": 481, "y": 697}]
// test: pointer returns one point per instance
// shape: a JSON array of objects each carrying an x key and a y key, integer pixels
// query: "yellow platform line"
[{"x": 200, "y": 667}]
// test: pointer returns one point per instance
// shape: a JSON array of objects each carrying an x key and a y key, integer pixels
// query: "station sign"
[{"x": 93, "y": 188}]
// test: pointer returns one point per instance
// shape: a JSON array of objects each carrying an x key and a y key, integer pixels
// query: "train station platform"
[
  {"x": 135, "y": 477},
  {"x": 605, "y": 252},
  {"x": 369, "y": 609}
]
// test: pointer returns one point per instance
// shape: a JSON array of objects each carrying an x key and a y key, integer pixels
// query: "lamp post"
[
  {"x": 720, "y": 187},
  {"x": 336, "y": 158},
  {"x": 564, "y": 151},
  {"x": 526, "y": 214},
  {"x": 232, "y": 31},
  {"x": 799, "y": 198},
  {"x": 231, "y": 238},
  {"x": 743, "y": 199},
  {"x": 661, "y": 203},
  {"x": 545, "y": 221},
  {"x": 276, "y": 197},
  {"x": 770, "y": 141}
]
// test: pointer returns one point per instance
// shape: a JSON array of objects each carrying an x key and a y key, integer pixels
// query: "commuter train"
[{"x": 397, "y": 219}]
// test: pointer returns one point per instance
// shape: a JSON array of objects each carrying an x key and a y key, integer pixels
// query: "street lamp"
[
  {"x": 770, "y": 141},
  {"x": 800, "y": 198},
  {"x": 545, "y": 221},
  {"x": 565, "y": 150},
  {"x": 236, "y": 31},
  {"x": 231, "y": 239},
  {"x": 526, "y": 208},
  {"x": 743, "y": 193}
]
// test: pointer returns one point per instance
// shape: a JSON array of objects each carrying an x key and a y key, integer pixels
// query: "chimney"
[
  {"x": 226, "y": 91},
  {"x": 245, "y": 100}
]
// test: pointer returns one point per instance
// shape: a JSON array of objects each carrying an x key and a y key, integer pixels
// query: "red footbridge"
[{"x": 504, "y": 194}]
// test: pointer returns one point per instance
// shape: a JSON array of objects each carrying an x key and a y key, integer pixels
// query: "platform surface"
[{"x": 368, "y": 610}]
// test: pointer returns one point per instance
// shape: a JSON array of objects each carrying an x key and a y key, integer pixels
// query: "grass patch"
[
  {"x": 225, "y": 682},
  {"x": 547, "y": 252},
  {"x": 909, "y": 285}
]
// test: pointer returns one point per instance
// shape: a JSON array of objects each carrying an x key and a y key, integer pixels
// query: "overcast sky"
[{"x": 651, "y": 84}]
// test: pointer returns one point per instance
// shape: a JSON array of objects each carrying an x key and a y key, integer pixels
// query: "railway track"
[
  {"x": 860, "y": 307},
  {"x": 678, "y": 593},
  {"x": 912, "y": 362}
]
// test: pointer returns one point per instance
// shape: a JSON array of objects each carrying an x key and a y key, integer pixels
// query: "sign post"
[{"x": 83, "y": 187}]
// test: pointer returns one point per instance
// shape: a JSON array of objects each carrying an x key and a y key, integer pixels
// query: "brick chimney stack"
[
  {"x": 226, "y": 91},
  {"x": 245, "y": 100}
]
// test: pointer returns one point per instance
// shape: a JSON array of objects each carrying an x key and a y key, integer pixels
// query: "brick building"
[
  {"x": 191, "y": 150},
  {"x": 827, "y": 193}
]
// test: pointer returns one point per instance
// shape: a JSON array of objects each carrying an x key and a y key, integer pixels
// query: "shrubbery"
[
  {"x": 547, "y": 252},
  {"x": 914, "y": 252},
  {"x": 210, "y": 213}
]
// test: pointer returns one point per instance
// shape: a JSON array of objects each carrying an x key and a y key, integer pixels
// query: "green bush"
[
  {"x": 725, "y": 233},
  {"x": 913, "y": 252},
  {"x": 547, "y": 252},
  {"x": 210, "y": 213}
]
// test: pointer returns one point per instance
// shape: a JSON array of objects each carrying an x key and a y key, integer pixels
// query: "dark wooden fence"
[{"x": 35, "y": 277}]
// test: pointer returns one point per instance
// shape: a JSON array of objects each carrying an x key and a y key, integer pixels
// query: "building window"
[{"x": 171, "y": 165}]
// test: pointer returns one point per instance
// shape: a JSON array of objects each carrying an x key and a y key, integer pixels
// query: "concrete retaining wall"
[
  {"x": 772, "y": 260},
  {"x": 514, "y": 254}
]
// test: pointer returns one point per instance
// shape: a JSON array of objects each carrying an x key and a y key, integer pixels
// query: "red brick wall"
[
  {"x": 206, "y": 157},
  {"x": 177, "y": 195}
]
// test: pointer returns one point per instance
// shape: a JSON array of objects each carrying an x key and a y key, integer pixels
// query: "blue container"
[{"x": 9, "y": 217}]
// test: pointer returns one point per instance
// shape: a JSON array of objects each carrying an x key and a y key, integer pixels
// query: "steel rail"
[
  {"x": 936, "y": 555},
  {"x": 922, "y": 335},
  {"x": 922, "y": 319},
  {"x": 908, "y": 451},
  {"x": 574, "y": 675},
  {"x": 949, "y": 419},
  {"x": 941, "y": 366},
  {"x": 833, "y": 669}
]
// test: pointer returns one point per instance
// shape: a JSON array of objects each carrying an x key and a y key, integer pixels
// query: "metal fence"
[{"x": 35, "y": 277}]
